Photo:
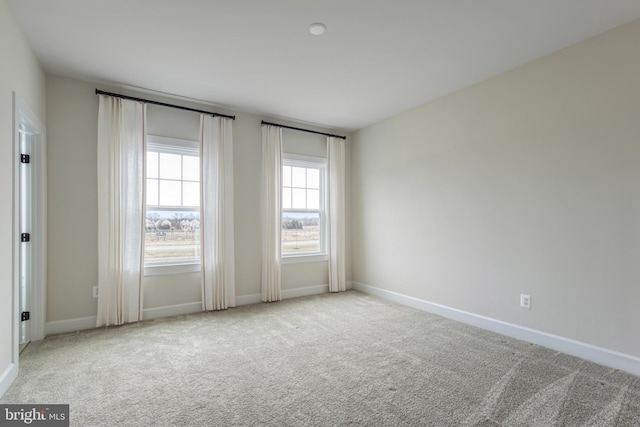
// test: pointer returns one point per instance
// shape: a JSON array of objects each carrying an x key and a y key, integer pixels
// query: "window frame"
[
  {"x": 297, "y": 160},
  {"x": 181, "y": 147}
]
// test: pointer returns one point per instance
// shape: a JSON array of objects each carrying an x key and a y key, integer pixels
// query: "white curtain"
[
  {"x": 337, "y": 216},
  {"x": 271, "y": 212},
  {"x": 121, "y": 159},
  {"x": 216, "y": 207}
]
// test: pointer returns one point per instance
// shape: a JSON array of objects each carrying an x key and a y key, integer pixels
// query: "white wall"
[
  {"x": 72, "y": 219},
  {"x": 21, "y": 73},
  {"x": 524, "y": 183}
]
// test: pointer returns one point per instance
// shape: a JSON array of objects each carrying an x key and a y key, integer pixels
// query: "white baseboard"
[
  {"x": 172, "y": 310},
  {"x": 8, "y": 377},
  {"x": 286, "y": 294},
  {"x": 74, "y": 325},
  {"x": 305, "y": 291},
  {"x": 195, "y": 307},
  {"x": 82, "y": 323},
  {"x": 600, "y": 355},
  {"x": 70, "y": 325},
  {"x": 248, "y": 299}
]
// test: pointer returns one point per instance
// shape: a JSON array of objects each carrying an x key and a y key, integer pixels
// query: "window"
[
  {"x": 303, "y": 206},
  {"x": 172, "y": 228}
]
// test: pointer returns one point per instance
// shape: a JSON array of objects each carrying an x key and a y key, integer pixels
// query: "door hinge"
[
  {"x": 25, "y": 316},
  {"x": 25, "y": 237},
  {"x": 25, "y": 158}
]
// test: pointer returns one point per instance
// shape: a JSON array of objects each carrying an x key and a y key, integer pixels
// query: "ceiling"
[{"x": 376, "y": 59}]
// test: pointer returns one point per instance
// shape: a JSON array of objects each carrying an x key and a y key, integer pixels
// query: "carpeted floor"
[{"x": 326, "y": 360}]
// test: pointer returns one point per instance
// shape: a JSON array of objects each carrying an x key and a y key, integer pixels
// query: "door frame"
[{"x": 23, "y": 116}]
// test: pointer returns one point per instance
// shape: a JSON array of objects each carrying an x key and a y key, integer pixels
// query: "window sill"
[
  {"x": 163, "y": 270},
  {"x": 297, "y": 259}
]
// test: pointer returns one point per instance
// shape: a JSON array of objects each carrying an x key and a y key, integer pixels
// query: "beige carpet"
[{"x": 327, "y": 360}]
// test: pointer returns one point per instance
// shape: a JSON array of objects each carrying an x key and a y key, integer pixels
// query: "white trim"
[
  {"x": 305, "y": 291},
  {"x": 22, "y": 115},
  {"x": 163, "y": 144},
  {"x": 320, "y": 163},
  {"x": 168, "y": 269},
  {"x": 70, "y": 325},
  {"x": 82, "y": 323},
  {"x": 8, "y": 377},
  {"x": 286, "y": 294},
  {"x": 248, "y": 299},
  {"x": 303, "y": 160},
  {"x": 297, "y": 259},
  {"x": 172, "y": 310},
  {"x": 600, "y": 355}
]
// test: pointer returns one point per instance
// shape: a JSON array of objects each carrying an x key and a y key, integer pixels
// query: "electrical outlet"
[
  {"x": 95, "y": 292},
  {"x": 525, "y": 301}
]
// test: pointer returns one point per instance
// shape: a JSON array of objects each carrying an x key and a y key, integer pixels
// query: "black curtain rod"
[
  {"x": 162, "y": 104},
  {"x": 303, "y": 130}
]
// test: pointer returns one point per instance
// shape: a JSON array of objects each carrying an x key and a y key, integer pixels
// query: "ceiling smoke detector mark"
[
  {"x": 525, "y": 301},
  {"x": 317, "y": 28}
]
